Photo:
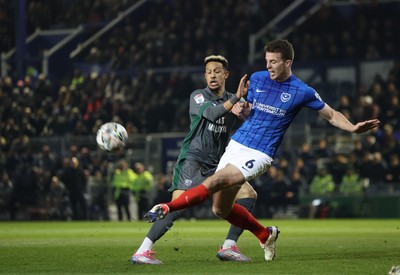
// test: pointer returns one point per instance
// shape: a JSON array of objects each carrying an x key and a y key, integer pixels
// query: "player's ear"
[{"x": 226, "y": 74}]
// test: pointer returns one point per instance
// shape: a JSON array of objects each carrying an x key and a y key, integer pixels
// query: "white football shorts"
[{"x": 250, "y": 162}]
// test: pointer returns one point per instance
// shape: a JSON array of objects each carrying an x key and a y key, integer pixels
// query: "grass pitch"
[{"x": 303, "y": 247}]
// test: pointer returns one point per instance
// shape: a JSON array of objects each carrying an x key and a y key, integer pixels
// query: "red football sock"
[
  {"x": 189, "y": 198},
  {"x": 242, "y": 218}
]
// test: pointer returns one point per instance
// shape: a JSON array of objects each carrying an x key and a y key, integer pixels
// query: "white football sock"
[
  {"x": 228, "y": 243},
  {"x": 147, "y": 244}
]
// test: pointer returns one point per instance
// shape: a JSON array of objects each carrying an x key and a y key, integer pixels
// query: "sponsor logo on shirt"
[
  {"x": 268, "y": 109},
  {"x": 260, "y": 91},
  {"x": 199, "y": 98},
  {"x": 217, "y": 128}
]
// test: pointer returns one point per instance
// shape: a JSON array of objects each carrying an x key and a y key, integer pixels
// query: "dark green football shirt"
[{"x": 210, "y": 127}]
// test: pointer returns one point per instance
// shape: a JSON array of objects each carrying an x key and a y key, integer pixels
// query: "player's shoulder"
[
  {"x": 300, "y": 84},
  {"x": 310, "y": 94},
  {"x": 199, "y": 96},
  {"x": 294, "y": 80},
  {"x": 198, "y": 91},
  {"x": 259, "y": 74}
]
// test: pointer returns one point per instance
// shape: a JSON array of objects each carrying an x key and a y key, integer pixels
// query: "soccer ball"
[{"x": 111, "y": 136}]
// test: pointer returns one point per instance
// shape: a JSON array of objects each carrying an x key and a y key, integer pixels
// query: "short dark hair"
[
  {"x": 281, "y": 46},
  {"x": 217, "y": 58}
]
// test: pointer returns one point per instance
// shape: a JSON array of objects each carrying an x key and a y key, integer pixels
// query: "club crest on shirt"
[
  {"x": 199, "y": 98},
  {"x": 188, "y": 182},
  {"x": 285, "y": 97}
]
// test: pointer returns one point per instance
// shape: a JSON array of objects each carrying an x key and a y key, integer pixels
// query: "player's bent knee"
[
  {"x": 220, "y": 213},
  {"x": 250, "y": 193},
  {"x": 246, "y": 191},
  {"x": 216, "y": 183}
]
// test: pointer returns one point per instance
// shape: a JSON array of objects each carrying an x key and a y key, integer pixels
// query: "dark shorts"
[{"x": 190, "y": 173}]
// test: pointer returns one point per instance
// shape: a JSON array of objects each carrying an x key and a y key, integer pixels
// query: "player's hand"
[
  {"x": 241, "y": 109},
  {"x": 237, "y": 108},
  {"x": 243, "y": 87},
  {"x": 365, "y": 126}
]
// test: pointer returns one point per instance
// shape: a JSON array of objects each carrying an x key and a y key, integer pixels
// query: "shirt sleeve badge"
[{"x": 199, "y": 98}]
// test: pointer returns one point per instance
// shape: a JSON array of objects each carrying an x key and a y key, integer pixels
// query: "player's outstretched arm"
[
  {"x": 241, "y": 91},
  {"x": 337, "y": 119}
]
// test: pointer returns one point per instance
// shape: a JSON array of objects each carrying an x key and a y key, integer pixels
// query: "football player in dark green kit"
[{"x": 212, "y": 123}]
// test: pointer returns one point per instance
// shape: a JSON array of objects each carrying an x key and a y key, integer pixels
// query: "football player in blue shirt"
[{"x": 275, "y": 97}]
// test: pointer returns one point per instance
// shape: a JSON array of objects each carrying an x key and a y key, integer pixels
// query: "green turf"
[{"x": 304, "y": 247}]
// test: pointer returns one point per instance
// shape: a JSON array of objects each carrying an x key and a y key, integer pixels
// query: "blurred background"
[{"x": 68, "y": 66}]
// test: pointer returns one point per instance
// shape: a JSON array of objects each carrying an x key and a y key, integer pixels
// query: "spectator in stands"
[
  {"x": 162, "y": 194},
  {"x": 344, "y": 104},
  {"x": 6, "y": 195},
  {"x": 294, "y": 187},
  {"x": 74, "y": 178},
  {"x": 338, "y": 167},
  {"x": 365, "y": 166},
  {"x": 74, "y": 151},
  {"x": 306, "y": 172},
  {"x": 306, "y": 154},
  {"x": 26, "y": 180},
  {"x": 46, "y": 160},
  {"x": 322, "y": 151},
  {"x": 122, "y": 182},
  {"x": 142, "y": 186},
  {"x": 387, "y": 141},
  {"x": 321, "y": 188},
  {"x": 284, "y": 166},
  {"x": 351, "y": 183},
  {"x": 358, "y": 149},
  {"x": 277, "y": 192},
  {"x": 43, "y": 88},
  {"x": 391, "y": 86},
  {"x": 85, "y": 158},
  {"x": 370, "y": 143},
  {"x": 98, "y": 195},
  {"x": 370, "y": 108},
  {"x": 262, "y": 186},
  {"x": 379, "y": 169},
  {"x": 58, "y": 200},
  {"x": 377, "y": 93},
  {"x": 391, "y": 110},
  {"x": 393, "y": 170},
  {"x": 322, "y": 184}
]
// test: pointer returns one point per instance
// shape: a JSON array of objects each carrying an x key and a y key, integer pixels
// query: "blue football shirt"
[{"x": 274, "y": 106}]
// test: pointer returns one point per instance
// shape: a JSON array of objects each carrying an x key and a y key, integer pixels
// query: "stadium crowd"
[
  {"x": 182, "y": 31},
  {"x": 57, "y": 14},
  {"x": 37, "y": 106},
  {"x": 365, "y": 30}
]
